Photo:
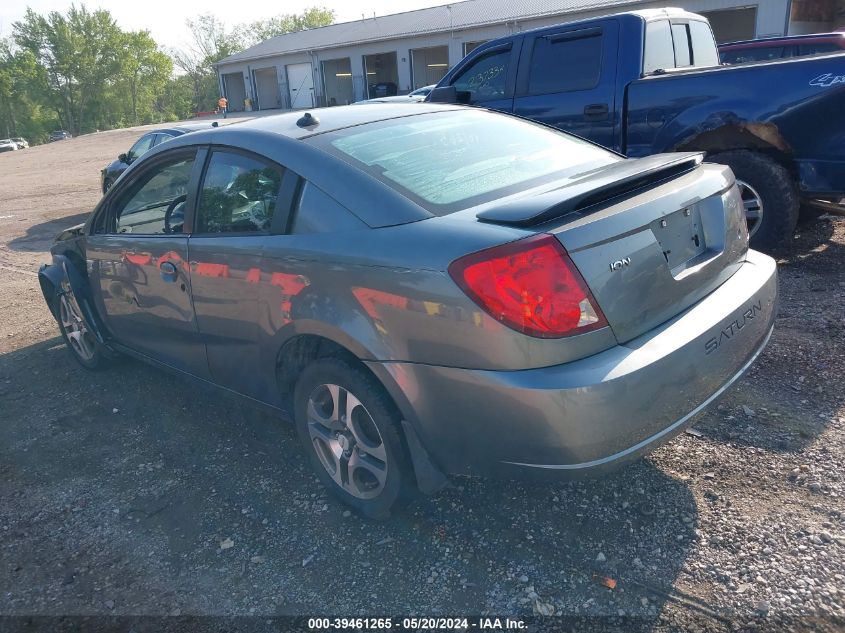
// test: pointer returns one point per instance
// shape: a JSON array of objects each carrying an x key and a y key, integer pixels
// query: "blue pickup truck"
[{"x": 646, "y": 82}]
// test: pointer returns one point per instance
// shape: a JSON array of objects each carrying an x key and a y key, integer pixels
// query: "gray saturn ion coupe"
[{"x": 425, "y": 289}]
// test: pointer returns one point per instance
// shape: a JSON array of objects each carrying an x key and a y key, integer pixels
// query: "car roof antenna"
[{"x": 307, "y": 120}]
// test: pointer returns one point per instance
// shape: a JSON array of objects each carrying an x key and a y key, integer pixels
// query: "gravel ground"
[{"x": 134, "y": 492}]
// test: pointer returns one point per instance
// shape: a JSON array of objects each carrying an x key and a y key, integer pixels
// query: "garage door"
[
  {"x": 267, "y": 88},
  {"x": 233, "y": 84},
  {"x": 300, "y": 85}
]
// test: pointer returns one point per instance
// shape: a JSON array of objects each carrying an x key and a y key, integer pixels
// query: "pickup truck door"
[
  {"x": 567, "y": 79},
  {"x": 487, "y": 80},
  {"x": 138, "y": 262}
]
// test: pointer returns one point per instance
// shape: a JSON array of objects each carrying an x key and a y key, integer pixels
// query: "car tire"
[
  {"x": 769, "y": 183},
  {"x": 77, "y": 334},
  {"x": 107, "y": 184},
  {"x": 359, "y": 455}
]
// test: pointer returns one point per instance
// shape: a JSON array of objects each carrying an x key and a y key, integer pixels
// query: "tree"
[
  {"x": 79, "y": 53},
  {"x": 20, "y": 109},
  {"x": 255, "y": 32},
  {"x": 144, "y": 68},
  {"x": 211, "y": 41},
  {"x": 81, "y": 72}
]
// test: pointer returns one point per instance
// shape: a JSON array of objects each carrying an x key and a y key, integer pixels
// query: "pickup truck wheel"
[
  {"x": 350, "y": 431},
  {"x": 769, "y": 195}
]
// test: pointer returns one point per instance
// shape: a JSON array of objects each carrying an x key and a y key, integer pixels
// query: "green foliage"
[
  {"x": 251, "y": 34},
  {"x": 212, "y": 41},
  {"x": 80, "y": 72}
]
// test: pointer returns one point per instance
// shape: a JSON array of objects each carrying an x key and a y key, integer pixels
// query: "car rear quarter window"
[
  {"x": 563, "y": 62},
  {"x": 659, "y": 52},
  {"x": 818, "y": 48},
  {"x": 452, "y": 160},
  {"x": 484, "y": 79},
  {"x": 763, "y": 53},
  {"x": 141, "y": 146},
  {"x": 238, "y": 194},
  {"x": 318, "y": 212}
]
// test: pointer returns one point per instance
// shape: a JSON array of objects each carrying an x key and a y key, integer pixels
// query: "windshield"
[{"x": 453, "y": 160}]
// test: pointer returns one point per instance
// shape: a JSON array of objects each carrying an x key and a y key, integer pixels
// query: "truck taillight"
[{"x": 530, "y": 285}]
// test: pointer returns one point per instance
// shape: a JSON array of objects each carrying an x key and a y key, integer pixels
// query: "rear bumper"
[
  {"x": 822, "y": 178},
  {"x": 588, "y": 415}
]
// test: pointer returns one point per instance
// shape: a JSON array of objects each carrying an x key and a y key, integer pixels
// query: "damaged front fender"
[{"x": 62, "y": 276}]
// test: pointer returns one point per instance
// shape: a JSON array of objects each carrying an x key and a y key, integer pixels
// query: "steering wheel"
[{"x": 171, "y": 210}]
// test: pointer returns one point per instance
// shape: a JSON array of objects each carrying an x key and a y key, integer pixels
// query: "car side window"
[
  {"x": 817, "y": 49},
  {"x": 485, "y": 78},
  {"x": 564, "y": 62},
  {"x": 155, "y": 204},
  {"x": 659, "y": 53},
  {"x": 745, "y": 56},
  {"x": 680, "y": 37},
  {"x": 141, "y": 146},
  {"x": 238, "y": 194}
]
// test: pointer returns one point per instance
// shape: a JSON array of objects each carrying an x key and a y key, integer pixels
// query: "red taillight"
[{"x": 531, "y": 286}]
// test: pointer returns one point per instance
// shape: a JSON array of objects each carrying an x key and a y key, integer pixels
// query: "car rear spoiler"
[{"x": 601, "y": 186}]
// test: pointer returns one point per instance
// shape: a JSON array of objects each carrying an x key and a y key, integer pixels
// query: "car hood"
[
  {"x": 70, "y": 233},
  {"x": 115, "y": 165}
]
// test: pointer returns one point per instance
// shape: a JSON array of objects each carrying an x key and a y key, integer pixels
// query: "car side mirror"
[
  {"x": 444, "y": 94},
  {"x": 123, "y": 158}
]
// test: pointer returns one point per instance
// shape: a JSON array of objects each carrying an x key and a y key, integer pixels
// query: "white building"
[{"x": 346, "y": 62}]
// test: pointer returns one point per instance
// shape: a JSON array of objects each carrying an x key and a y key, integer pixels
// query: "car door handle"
[{"x": 596, "y": 111}]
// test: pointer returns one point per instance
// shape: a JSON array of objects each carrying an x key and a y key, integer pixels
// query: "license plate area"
[{"x": 680, "y": 236}]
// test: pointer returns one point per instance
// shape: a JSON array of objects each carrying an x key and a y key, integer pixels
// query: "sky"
[{"x": 165, "y": 19}]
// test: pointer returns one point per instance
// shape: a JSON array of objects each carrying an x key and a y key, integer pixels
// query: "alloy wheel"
[
  {"x": 347, "y": 441},
  {"x": 753, "y": 204},
  {"x": 79, "y": 337}
]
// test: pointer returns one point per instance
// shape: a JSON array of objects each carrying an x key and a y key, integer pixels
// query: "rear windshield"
[{"x": 448, "y": 161}]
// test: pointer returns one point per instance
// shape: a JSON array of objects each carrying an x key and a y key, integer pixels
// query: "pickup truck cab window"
[
  {"x": 678, "y": 44},
  {"x": 680, "y": 37},
  {"x": 238, "y": 194},
  {"x": 704, "y": 49},
  {"x": 659, "y": 53},
  {"x": 563, "y": 62},
  {"x": 486, "y": 78}
]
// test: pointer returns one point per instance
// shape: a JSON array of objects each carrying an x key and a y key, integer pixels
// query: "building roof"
[{"x": 452, "y": 16}]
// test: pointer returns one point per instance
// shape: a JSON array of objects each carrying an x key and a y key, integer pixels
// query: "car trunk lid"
[{"x": 651, "y": 237}]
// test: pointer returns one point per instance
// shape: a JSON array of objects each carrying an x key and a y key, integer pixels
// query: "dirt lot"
[{"x": 133, "y": 493}]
